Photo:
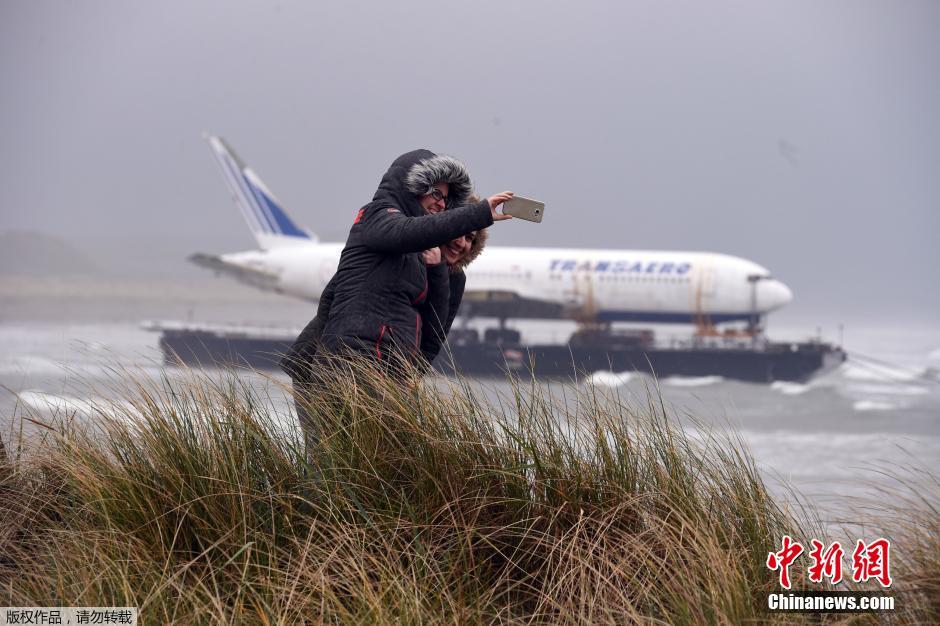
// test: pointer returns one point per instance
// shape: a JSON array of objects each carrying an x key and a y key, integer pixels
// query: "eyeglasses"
[{"x": 437, "y": 195}]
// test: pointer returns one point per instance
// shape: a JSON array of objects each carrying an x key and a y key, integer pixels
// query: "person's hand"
[
  {"x": 497, "y": 200},
  {"x": 432, "y": 256}
]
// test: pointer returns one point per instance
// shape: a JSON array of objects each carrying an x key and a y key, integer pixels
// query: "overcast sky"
[{"x": 804, "y": 136}]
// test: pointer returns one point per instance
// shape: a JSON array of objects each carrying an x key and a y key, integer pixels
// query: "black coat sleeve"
[
  {"x": 388, "y": 230},
  {"x": 434, "y": 311},
  {"x": 458, "y": 281},
  {"x": 435, "y": 330},
  {"x": 296, "y": 362}
]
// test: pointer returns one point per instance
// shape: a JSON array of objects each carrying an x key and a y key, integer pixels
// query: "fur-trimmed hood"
[
  {"x": 414, "y": 174},
  {"x": 423, "y": 175}
]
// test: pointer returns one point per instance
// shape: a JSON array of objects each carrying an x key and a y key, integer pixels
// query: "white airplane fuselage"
[{"x": 607, "y": 285}]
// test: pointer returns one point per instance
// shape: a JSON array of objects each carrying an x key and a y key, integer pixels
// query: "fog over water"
[
  {"x": 880, "y": 409},
  {"x": 801, "y": 135}
]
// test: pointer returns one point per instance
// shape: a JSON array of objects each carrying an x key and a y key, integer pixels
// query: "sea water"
[{"x": 828, "y": 439}]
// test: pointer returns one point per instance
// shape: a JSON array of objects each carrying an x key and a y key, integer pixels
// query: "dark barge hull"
[
  {"x": 796, "y": 362},
  {"x": 786, "y": 362}
]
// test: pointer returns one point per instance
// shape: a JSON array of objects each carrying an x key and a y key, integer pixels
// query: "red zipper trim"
[
  {"x": 423, "y": 293},
  {"x": 417, "y": 332},
  {"x": 378, "y": 344}
]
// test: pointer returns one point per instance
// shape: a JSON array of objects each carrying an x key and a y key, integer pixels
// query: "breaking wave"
[
  {"x": 882, "y": 373},
  {"x": 609, "y": 379},
  {"x": 70, "y": 405},
  {"x": 887, "y": 389},
  {"x": 875, "y": 405},
  {"x": 790, "y": 389},
  {"x": 692, "y": 381}
]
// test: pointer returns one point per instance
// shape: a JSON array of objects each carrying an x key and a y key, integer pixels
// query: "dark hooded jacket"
[
  {"x": 381, "y": 286},
  {"x": 436, "y": 322}
]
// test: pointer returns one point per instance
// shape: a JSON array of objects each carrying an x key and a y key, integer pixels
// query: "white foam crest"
[
  {"x": 874, "y": 405},
  {"x": 692, "y": 381},
  {"x": 609, "y": 379},
  {"x": 790, "y": 389},
  {"x": 93, "y": 407},
  {"x": 887, "y": 389},
  {"x": 82, "y": 407},
  {"x": 881, "y": 373}
]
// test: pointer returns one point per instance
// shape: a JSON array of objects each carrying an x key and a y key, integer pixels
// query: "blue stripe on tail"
[
  {"x": 243, "y": 188},
  {"x": 275, "y": 215}
]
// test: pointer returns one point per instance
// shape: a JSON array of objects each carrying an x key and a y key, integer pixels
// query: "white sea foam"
[
  {"x": 69, "y": 405},
  {"x": 692, "y": 381},
  {"x": 790, "y": 389},
  {"x": 881, "y": 373},
  {"x": 875, "y": 405},
  {"x": 609, "y": 379},
  {"x": 94, "y": 407},
  {"x": 886, "y": 389}
]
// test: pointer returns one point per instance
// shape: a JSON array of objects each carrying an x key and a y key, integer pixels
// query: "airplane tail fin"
[{"x": 270, "y": 224}]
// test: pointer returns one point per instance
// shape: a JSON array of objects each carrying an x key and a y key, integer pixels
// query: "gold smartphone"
[{"x": 524, "y": 208}]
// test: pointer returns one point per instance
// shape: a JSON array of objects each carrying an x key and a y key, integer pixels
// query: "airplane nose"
[{"x": 773, "y": 294}]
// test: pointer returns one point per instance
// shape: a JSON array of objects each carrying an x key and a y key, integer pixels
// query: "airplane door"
[
  {"x": 578, "y": 291},
  {"x": 572, "y": 291},
  {"x": 703, "y": 288}
]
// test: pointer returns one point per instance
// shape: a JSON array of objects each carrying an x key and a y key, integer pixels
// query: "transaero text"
[{"x": 619, "y": 267}]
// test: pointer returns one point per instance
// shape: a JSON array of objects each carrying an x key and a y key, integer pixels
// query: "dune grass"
[{"x": 192, "y": 501}]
